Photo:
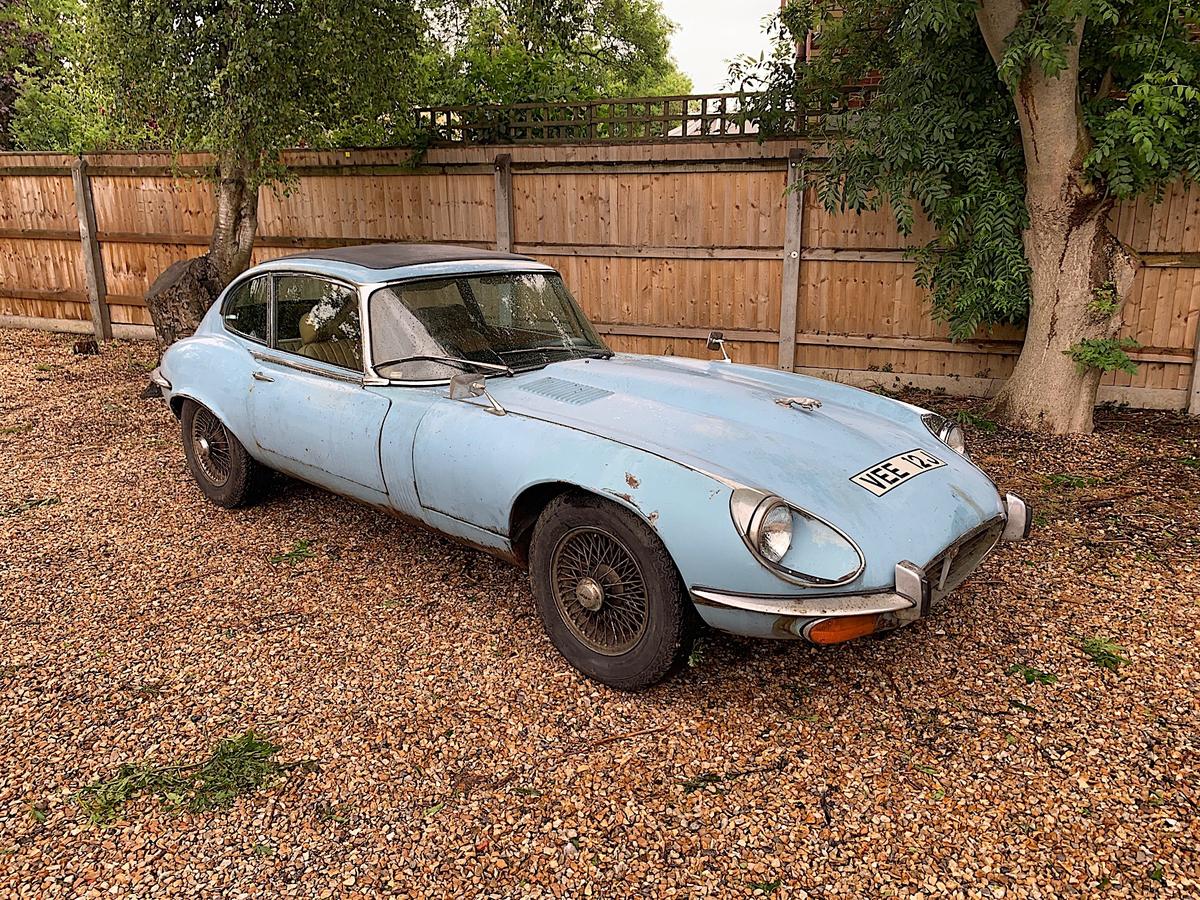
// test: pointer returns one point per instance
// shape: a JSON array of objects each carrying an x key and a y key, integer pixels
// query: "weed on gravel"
[{"x": 238, "y": 766}]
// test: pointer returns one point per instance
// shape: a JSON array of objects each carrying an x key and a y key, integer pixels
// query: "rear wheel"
[
  {"x": 608, "y": 593},
  {"x": 219, "y": 463}
]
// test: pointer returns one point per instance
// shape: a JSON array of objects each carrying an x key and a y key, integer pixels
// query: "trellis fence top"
[{"x": 681, "y": 117}]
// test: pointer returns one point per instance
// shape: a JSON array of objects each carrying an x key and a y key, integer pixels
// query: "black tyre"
[
  {"x": 608, "y": 593},
  {"x": 219, "y": 463}
]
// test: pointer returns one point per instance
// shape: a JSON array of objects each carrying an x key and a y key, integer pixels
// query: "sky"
[{"x": 711, "y": 32}]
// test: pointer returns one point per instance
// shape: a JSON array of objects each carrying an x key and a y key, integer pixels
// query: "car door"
[{"x": 311, "y": 415}]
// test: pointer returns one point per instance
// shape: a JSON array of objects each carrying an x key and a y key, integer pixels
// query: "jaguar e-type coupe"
[{"x": 464, "y": 389}]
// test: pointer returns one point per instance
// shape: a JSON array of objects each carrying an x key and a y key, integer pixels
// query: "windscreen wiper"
[
  {"x": 457, "y": 361},
  {"x": 592, "y": 353}
]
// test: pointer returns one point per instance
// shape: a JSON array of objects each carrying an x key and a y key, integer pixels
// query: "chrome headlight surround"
[
  {"x": 750, "y": 508},
  {"x": 946, "y": 431}
]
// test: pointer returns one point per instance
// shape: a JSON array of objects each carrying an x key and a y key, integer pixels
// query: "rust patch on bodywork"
[
  {"x": 631, "y": 480},
  {"x": 653, "y": 518}
]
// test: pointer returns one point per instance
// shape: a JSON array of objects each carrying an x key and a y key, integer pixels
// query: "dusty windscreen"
[{"x": 518, "y": 319}]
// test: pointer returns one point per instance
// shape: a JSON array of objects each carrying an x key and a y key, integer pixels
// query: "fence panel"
[{"x": 661, "y": 241}]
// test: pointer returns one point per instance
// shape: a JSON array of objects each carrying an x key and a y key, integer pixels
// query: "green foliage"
[
  {"x": 64, "y": 97},
  {"x": 23, "y": 47},
  {"x": 1105, "y": 302},
  {"x": 301, "y": 550},
  {"x": 512, "y": 51},
  {"x": 1032, "y": 675},
  {"x": 15, "y": 509},
  {"x": 1104, "y": 652},
  {"x": 246, "y": 78},
  {"x": 966, "y": 417},
  {"x": 1072, "y": 482},
  {"x": 1105, "y": 354},
  {"x": 765, "y": 887},
  {"x": 941, "y": 136},
  {"x": 237, "y": 766}
]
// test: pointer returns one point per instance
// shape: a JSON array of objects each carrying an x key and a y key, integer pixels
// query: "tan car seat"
[{"x": 325, "y": 343}]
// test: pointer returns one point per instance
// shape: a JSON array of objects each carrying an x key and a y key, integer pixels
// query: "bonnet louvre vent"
[{"x": 567, "y": 391}]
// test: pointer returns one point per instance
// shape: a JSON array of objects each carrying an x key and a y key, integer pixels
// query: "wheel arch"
[
  {"x": 240, "y": 429},
  {"x": 533, "y": 498}
]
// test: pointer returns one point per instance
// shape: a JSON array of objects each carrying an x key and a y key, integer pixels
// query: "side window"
[
  {"x": 246, "y": 310},
  {"x": 318, "y": 319}
]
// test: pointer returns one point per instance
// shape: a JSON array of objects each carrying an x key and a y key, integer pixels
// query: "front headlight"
[
  {"x": 792, "y": 542},
  {"x": 774, "y": 537},
  {"x": 949, "y": 433}
]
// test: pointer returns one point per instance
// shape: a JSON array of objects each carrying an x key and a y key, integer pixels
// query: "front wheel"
[
  {"x": 223, "y": 469},
  {"x": 608, "y": 593}
]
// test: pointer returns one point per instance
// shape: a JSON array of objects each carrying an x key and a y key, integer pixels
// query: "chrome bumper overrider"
[
  {"x": 916, "y": 587},
  {"x": 159, "y": 379}
]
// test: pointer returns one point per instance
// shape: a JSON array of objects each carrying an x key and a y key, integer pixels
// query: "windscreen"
[{"x": 517, "y": 319}]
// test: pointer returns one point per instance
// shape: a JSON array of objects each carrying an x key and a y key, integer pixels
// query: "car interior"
[{"x": 313, "y": 318}]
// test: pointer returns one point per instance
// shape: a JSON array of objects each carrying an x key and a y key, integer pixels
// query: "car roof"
[
  {"x": 380, "y": 263},
  {"x": 396, "y": 256}
]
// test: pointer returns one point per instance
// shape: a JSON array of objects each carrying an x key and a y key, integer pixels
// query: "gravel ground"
[{"x": 452, "y": 752}]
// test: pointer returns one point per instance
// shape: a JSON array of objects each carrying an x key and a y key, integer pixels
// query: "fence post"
[
  {"x": 93, "y": 265},
  {"x": 1193, "y": 403},
  {"x": 504, "y": 202},
  {"x": 793, "y": 247}
]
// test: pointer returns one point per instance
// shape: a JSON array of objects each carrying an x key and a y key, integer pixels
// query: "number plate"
[{"x": 881, "y": 478}]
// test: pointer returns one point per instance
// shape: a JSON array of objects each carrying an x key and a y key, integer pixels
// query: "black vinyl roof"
[{"x": 392, "y": 256}]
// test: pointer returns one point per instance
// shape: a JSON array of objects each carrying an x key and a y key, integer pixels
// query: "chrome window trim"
[
  {"x": 339, "y": 374},
  {"x": 223, "y": 302},
  {"x": 331, "y": 279}
]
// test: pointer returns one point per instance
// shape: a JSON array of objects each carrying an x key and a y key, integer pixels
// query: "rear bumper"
[{"x": 916, "y": 589}]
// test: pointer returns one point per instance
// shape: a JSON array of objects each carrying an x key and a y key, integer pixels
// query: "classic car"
[{"x": 465, "y": 389}]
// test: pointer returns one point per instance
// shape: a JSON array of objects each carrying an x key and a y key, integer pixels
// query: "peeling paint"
[
  {"x": 631, "y": 480},
  {"x": 628, "y": 498}
]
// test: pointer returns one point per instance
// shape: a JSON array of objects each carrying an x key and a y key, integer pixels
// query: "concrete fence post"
[
  {"x": 793, "y": 250},
  {"x": 93, "y": 264},
  {"x": 504, "y": 202}
]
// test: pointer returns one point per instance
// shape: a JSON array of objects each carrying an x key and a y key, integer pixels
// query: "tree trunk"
[
  {"x": 1069, "y": 248},
  {"x": 236, "y": 222},
  {"x": 1071, "y": 252},
  {"x": 182, "y": 294},
  {"x": 180, "y": 297}
]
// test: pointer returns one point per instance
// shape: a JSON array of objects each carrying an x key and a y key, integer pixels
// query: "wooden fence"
[{"x": 660, "y": 241}]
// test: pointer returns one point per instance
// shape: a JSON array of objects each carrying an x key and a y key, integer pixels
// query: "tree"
[
  {"x": 1015, "y": 126},
  {"x": 23, "y": 49},
  {"x": 61, "y": 96},
  {"x": 244, "y": 79},
  {"x": 515, "y": 51}
]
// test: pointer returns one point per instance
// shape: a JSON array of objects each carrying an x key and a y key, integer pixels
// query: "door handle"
[{"x": 262, "y": 376}]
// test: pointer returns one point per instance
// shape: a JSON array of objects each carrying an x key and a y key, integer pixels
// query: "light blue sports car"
[{"x": 464, "y": 389}]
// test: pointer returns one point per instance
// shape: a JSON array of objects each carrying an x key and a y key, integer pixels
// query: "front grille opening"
[{"x": 965, "y": 558}]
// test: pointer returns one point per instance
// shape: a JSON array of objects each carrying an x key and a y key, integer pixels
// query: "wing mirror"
[
  {"x": 716, "y": 341},
  {"x": 467, "y": 385}
]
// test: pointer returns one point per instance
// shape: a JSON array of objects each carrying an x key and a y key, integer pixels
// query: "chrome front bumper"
[{"x": 916, "y": 587}]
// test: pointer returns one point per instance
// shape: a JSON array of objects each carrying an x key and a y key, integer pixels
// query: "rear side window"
[{"x": 246, "y": 309}]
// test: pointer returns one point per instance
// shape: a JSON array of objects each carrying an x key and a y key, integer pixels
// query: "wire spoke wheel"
[
  {"x": 210, "y": 442},
  {"x": 599, "y": 590}
]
